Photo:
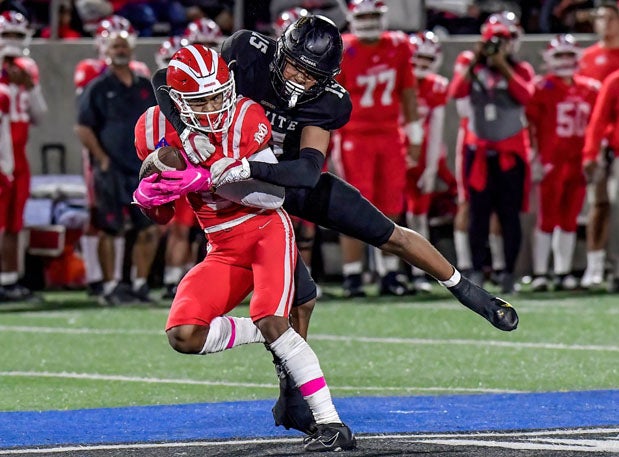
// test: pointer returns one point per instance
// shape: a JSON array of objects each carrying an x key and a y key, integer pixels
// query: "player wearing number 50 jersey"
[
  {"x": 558, "y": 115},
  {"x": 293, "y": 80}
]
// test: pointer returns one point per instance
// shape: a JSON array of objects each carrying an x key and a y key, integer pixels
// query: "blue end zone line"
[{"x": 252, "y": 419}]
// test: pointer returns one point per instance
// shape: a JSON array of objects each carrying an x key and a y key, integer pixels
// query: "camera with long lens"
[{"x": 492, "y": 46}]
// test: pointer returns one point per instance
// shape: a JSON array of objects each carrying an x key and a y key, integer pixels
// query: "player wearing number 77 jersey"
[
  {"x": 558, "y": 114},
  {"x": 376, "y": 71}
]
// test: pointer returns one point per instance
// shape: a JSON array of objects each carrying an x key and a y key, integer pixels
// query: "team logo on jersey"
[
  {"x": 261, "y": 134},
  {"x": 162, "y": 142}
]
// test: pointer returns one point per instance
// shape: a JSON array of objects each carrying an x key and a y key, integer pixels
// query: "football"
[{"x": 165, "y": 158}]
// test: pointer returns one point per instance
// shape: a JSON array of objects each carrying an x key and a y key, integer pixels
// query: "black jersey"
[{"x": 252, "y": 54}]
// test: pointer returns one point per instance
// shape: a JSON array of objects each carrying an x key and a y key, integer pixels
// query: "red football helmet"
[
  {"x": 561, "y": 56},
  {"x": 286, "y": 18},
  {"x": 199, "y": 78},
  {"x": 15, "y": 34},
  {"x": 167, "y": 49},
  {"x": 503, "y": 25},
  {"x": 204, "y": 31},
  {"x": 111, "y": 28},
  {"x": 367, "y": 18},
  {"x": 427, "y": 53}
]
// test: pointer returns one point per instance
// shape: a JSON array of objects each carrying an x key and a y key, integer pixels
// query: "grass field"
[{"x": 68, "y": 353}]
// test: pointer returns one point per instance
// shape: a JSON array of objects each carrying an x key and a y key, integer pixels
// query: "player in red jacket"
[
  {"x": 376, "y": 70},
  {"x": 496, "y": 144},
  {"x": 558, "y": 114}
]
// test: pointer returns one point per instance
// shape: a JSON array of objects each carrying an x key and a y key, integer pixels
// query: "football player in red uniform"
[
  {"x": 251, "y": 248},
  {"x": 558, "y": 114},
  {"x": 421, "y": 178},
  {"x": 376, "y": 71},
  {"x": 20, "y": 77},
  {"x": 598, "y": 61},
  {"x": 87, "y": 70}
]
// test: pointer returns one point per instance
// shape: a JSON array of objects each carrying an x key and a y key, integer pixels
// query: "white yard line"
[
  {"x": 323, "y": 337},
  {"x": 122, "y": 378},
  {"x": 471, "y": 439}
]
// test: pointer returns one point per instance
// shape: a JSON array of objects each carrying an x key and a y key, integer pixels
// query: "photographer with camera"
[{"x": 496, "y": 171}]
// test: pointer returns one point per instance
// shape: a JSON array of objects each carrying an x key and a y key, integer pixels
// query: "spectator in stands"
[
  {"x": 66, "y": 29},
  {"x": 105, "y": 128},
  {"x": 561, "y": 16},
  {"x": 496, "y": 143},
  {"x": 145, "y": 14},
  {"x": 20, "y": 78}
]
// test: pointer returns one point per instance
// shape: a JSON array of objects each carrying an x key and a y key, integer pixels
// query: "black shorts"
[
  {"x": 113, "y": 191},
  {"x": 338, "y": 206}
]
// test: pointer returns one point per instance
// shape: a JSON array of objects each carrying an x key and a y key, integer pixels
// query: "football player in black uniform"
[{"x": 293, "y": 81}]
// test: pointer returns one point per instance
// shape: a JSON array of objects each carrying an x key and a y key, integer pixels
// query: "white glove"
[
  {"x": 197, "y": 146},
  {"x": 427, "y": 181},
  {"x": 229, "y": 170}
]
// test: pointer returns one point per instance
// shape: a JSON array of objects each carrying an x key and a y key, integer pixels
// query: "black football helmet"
[{"x": 313, "y": 44}]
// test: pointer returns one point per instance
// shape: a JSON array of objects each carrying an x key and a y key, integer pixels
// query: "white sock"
[
  {"x": 352, "y": 268},
  {"x": 541, "y": 251},
  {"x": 563, "y": 244},
  {"x": 138, "y": 282},
  {"x": 226, "y": 332},
  {"x": 119, "y": 257},
  {"x": 497, "y": 252},
  {"x": 109, "y": 286},
  {"x": 596, "y": 259},
  {"x": 303, "y": 367},
  {"x": 90, "y": 245},
  {"x": 391, "y": 262},
  {"x": 8, "y": 278},
  {"x": 379, "y": 262},
  {"x": 172, "y": 275},
  {"x": 463, "y": 250}
]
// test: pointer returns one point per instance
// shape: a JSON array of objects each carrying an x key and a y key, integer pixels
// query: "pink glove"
[
  {"x": 181, "y": 182},
  {"x": 147, "y": 196}
]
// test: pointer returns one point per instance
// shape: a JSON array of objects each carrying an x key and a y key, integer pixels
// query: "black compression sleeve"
[
  {"x": 165, "y": 102},
  {"x": 302, "y": 172}
]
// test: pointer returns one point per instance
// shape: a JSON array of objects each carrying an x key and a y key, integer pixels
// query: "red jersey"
[
  {"x": 560, "y": 113},
  {"x": 432, "y": 93},
  {"x": 604, "y": 119},
  {"x": 88, "y": 69},
  {"x": 375, "y": 75},
  {"x": 6, "y": 145},
  {"x": 598, "y": 62},
  {"x": 19, "y": 109},
  {"x": 249, "y": 132}
]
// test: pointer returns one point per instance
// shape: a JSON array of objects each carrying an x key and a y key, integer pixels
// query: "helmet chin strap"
[{"x": 295, "y": 90}]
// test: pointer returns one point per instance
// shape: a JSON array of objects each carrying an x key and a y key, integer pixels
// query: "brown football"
[{"x": 166, "y": 158}]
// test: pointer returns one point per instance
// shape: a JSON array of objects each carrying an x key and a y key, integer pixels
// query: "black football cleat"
[
  {"x": 330, "y": 438},
  {"x": 291, "y": 410},
  {"x": 494, "y": 309}
]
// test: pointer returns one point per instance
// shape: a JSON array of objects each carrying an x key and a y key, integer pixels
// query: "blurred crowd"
[
  {"x": 78, "y": 18},
  {"x": 521, "y": 130}
]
